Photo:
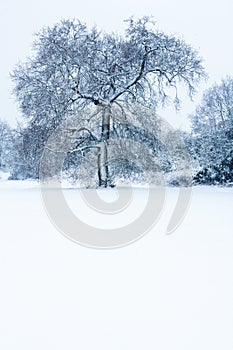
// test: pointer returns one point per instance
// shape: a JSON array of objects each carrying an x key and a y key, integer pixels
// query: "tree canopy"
[{"x": 74, "y": 66}]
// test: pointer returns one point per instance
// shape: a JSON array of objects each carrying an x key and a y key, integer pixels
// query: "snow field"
[{"x": 162, "y": 292}]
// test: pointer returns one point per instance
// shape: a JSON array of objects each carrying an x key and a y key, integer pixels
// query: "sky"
[{"x": 205, "y": 24}]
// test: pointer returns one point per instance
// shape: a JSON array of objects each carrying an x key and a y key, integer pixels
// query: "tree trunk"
[{"x": 103, "y": 167}]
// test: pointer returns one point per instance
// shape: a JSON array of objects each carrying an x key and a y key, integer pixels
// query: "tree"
[
  {"x": 28, "y": 146},
  {"x": 212, "y": 129},
  {"x": 74, "y": 68},
  {"x": 6, "y": 141}
]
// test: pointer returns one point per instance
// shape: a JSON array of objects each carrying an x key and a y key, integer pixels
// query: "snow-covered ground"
[{"x": 162, "y": 292}]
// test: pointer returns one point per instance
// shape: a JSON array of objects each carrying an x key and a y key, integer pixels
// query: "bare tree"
[{"x": 73, "y": 68}]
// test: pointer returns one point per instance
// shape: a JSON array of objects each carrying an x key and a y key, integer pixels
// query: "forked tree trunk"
[{"x": 103, "y": 167}]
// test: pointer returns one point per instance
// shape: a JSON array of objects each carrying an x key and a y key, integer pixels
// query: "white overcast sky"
[{"x": 207, "y": 25}]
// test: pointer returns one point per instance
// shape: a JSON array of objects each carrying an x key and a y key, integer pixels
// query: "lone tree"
[{"x": 73, "y": 68}]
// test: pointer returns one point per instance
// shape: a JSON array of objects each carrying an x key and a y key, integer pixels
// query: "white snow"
[
  {"x": 4, "y": 175},
  {"x": 162, "y": 292}
]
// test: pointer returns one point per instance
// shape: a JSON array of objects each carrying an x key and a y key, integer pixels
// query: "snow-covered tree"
[
  {"x": 74, "y": 68},
  {"x": 6, "y": 141},
  {"x": 212, "y": 129},
  {"x": 28, "y": 145}
]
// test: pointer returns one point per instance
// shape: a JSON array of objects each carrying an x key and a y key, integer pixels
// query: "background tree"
[
  {"x": 6, "y": 146},
  {"x": 74, "y": 68},
  {"x": 28, "y": 146},
  {"x": 212, "y": 129}
]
